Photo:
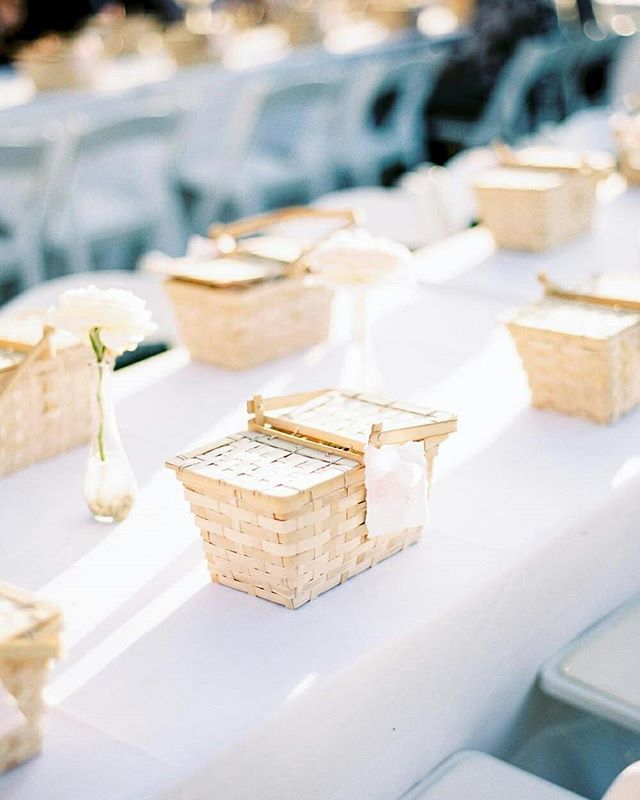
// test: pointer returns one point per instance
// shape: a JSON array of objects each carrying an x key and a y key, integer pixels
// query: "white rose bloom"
[
  {"x": 122, "y": 318},
  {"x": 355, "y": 256}
]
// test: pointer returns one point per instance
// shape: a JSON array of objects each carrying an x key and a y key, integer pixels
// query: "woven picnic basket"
[
  {"x": 29, "y": 639},
  {"x": 45, "y": 391},
  {"x": 528, "y": 205},
  {"x": 281, "y": 506},
  {"x": 255, "y": 301},
  {"x": 581, "y": 349}
]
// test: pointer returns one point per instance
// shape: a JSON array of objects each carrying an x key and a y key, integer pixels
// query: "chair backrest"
[
  {"x": 26, "y": 164},
  {"x": 118, "y": 152},
  {"x": 294, "y": 116},
  {"x": 155, "y": 122},
  {"x": 408, "y": 84},
  {"x": 534, "y": 60}
]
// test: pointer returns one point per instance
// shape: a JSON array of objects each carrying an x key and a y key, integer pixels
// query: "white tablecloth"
[
  {"x": 175, "y": 688},
  {"x": 469, "y": 262}
]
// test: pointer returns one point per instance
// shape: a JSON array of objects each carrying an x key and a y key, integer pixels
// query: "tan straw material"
[{"x": 281, "y": 507}]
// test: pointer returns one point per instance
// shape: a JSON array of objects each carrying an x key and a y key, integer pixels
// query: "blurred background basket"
[
  {"x": 581, "y": 350},
  {"x": 29, "y": 639},
  {"x": 281, "y": 507},
  {"x": 45, "y": 391},
  {"x": 535, "y": 209},
  {"x": 253, "y": 301}
]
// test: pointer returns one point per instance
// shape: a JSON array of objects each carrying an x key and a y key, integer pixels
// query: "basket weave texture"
[
  {"x": 580, "y": 359},
  {"x": 46, "y": 408},
  {"x": 535, "y": 209},
  {"x": 627, "y": 137},
  {"x": 241, "y": 327},
  {"x": 29, "y": 638},
  {"x": 283, "y": 518}
]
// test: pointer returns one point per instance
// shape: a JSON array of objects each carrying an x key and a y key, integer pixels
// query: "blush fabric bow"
[{"x": 396, "y": 484}]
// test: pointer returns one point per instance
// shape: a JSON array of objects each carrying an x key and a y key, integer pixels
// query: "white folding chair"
[
  {"x": 477, "y": 776},
  {"x": 26, "y": 161},
  {"x": 116, "y": 186},
  {"x": 599, "y": 672},
  {"x": 367, "y": 145},
  {"x": 602, "y": 53},
  {"x": 276, "y": 151}
]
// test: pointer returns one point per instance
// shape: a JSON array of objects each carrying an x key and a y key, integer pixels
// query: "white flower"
[
  {"x": 123, "y": 320},
  {"x": 355, "y": 256}
]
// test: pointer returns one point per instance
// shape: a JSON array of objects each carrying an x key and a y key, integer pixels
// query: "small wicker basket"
[
  {"x": 255, "y": 301},
  {"x": 281, "y": 507},
  {"x": 45, "y": 393},
  {"x": 531, "y": 207},
  {"x": 29, "y": 638},
  {"x": 581, "y": 350}
]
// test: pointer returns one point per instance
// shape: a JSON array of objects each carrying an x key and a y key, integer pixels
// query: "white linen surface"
[{"x": 194, "y": 690}]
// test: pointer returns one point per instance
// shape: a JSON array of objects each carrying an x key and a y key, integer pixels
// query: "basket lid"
[
  {"x": 225, "y": 272},
  {"x": 345, "y": 422},
  {"x": 573, "y": 319},
  {"x": 518, "y": 178},
  {"x": 260, "y": 248},
  {"x": 560, "y": 159},
  {"x": 28, "y": 627},
  {"x": 619, "y": 291}
]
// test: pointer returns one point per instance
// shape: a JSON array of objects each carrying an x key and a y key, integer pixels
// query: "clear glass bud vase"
[{"x": 110, "y": 485}]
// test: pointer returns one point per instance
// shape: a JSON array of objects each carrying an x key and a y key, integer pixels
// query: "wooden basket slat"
[
  {"x": 535, "y": 215},
  {"x": 241, "y": 328}
]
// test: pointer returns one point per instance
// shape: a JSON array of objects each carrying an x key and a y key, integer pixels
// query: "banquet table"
[
  {"x": 470, "y": 262},
  {"x": 174, "y": 688}
]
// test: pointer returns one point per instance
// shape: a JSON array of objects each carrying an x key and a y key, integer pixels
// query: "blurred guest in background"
[
  {"x": 11, "y": 18},
  {"x": 497, "y": 28},
  {"x": 494, "y": 33}
]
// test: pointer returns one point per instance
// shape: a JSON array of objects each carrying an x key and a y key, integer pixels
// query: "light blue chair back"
[
  {"x": 131, "y": 160},
  {"x": 400, "y": 132},
  {"x": 536, "y": 60},
  {"x": 295, "y": 120},
  {"x": 26, "y": 164}
]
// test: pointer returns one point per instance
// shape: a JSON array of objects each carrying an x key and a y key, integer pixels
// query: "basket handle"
[
  {"x": 552, "y": 289},
  {"x": 36, "y": 351},
  {"x": 243, "y": 227},
  {"x": 508, "y": 157}
]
